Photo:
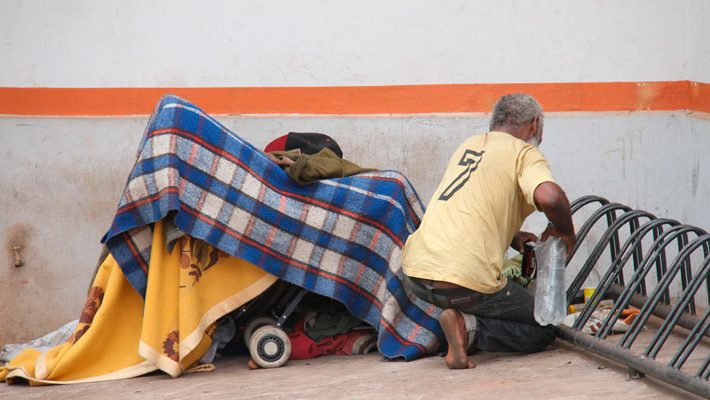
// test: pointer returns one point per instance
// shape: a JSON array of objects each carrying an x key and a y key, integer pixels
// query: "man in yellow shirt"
[{"x": 454, "y": 259}]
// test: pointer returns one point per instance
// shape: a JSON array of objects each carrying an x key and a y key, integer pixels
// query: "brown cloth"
[{"x": 321, "y": 165}]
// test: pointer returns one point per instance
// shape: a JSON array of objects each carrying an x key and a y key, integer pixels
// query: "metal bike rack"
[{"x": 648, "y": 288}]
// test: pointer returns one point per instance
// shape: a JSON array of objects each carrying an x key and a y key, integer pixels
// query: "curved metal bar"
[
  {"x": 657, "y": 250},
  {"x": 683, "y": 274},
  {"x": 636, "y": 255},
  {"x": 612, "y": 271},
  {"x": 696, "y": 384},
  {"x": 584, "y": 200},
  {"x": 615, "y": 269},
  {"x": 704, "y": 370},
  {"x": 608, "y": 237},
  {"x": 630, "y": 336},
  {"x": 661, "y": 261},
  {"x": 608, "y": 210},
  {"x": 681, "y": 356},
  {"x": 660, "y": 310},
  {"x": 644, "y": 260},
  {"x": 662, "y": 334},
  {"x": 686, "y": 273}
]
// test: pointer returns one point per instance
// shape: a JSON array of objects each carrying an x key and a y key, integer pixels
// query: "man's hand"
[
  {"x": 568, "y": 240},
  {"x": 521, "y": 238},
  {"x": 282, "y": 162}
]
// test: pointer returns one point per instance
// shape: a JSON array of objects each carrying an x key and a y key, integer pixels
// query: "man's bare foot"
[
  {"x": 454, "y": 328},
  {"x": 252, "y": 364}
]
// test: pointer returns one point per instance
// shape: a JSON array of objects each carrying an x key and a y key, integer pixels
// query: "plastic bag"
[
  {"x": 52, "y": 339},
  {"x": 550, "y": 296}
]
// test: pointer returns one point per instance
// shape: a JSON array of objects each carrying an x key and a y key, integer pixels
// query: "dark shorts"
[
  {"x": 511, "y": 303},
  {"x": 505, "y": 318}
]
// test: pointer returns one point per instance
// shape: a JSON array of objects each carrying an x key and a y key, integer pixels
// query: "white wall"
[
  {"x": 62, "y": 177},
  {"x": 698, "y": 40},
  {"x": 82, "y": 43}
]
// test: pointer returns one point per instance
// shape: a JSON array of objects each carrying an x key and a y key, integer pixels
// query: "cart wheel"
[
  {"x": 256, "y": 323},
  {"x": 269, "y": 347}
]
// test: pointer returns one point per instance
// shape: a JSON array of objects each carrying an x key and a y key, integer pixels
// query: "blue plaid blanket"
[{"x": 341, "y": 238}]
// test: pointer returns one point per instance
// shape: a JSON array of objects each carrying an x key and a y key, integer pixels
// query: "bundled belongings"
[
  {"x": 308, "y": 157},
  {"x": 247, "y": 224},
  {"x": 305, "y": 142}
]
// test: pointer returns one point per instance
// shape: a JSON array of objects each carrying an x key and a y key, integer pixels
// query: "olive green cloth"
[
  {"x": 322, "y": 165},
  {"x": 513, "y": 270},
  {"x": 328, "y": 321}
]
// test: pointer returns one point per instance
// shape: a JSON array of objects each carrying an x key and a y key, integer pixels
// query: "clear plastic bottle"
[{"x": 550, "y": 296}]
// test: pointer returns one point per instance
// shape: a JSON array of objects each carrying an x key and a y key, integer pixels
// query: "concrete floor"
[{"x": 558, "y": 373}]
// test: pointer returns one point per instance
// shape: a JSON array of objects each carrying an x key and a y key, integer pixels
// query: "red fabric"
[
  {"x": 278, "y": 144},
  {"x": 303, "y": 347}
]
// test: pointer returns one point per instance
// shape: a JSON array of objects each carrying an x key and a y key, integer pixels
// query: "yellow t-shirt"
[{"x": 480, "y": 204}]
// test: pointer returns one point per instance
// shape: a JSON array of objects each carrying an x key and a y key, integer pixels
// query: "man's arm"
[{"x": 552, "y": 200}]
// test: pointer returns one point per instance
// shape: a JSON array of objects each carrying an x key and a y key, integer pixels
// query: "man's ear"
[{"x": 532, "y": 128}]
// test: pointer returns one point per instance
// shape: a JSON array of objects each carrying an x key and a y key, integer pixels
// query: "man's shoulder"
[
  {"x": 501, "y": 145},
  {"x": 530, "y": 151},
  {"x": 485, "y": 139},
  {"x": 475, "y": 137}
]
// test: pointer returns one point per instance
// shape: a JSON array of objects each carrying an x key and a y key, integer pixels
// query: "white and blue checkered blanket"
[{"x": 341, "y": 238}]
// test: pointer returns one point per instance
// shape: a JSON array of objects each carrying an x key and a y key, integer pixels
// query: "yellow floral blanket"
[{"x": 121, "y": 336}]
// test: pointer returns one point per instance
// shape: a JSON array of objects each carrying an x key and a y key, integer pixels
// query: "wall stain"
[
  {"x": 17, "y": 235},
  {"x": 694, "y": 178},
  {"x": 622, "y": 153}
]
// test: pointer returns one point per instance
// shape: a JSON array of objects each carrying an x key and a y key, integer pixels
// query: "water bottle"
[{"x": 550, "y": 296}]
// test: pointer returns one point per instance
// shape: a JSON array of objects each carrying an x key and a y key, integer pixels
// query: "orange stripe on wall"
[
  {"x": 403, "y": 99},
  {"x": 699, "y": 97}
]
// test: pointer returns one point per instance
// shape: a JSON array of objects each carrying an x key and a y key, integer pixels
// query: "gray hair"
[{"x": 516, "y": 109}]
